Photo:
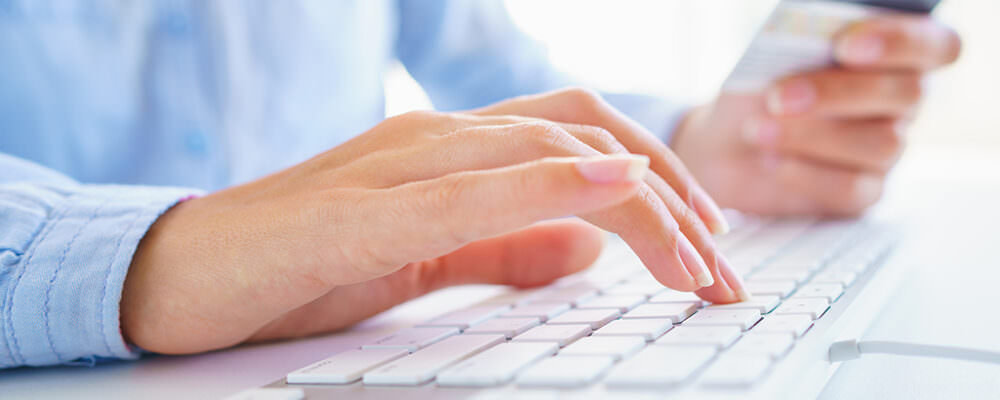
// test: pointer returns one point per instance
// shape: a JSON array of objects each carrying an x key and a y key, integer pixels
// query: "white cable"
[{"x": 852, "y": 349}]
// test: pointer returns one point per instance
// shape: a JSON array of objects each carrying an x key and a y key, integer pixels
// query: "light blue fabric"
[{"x": 134, "y": 105}]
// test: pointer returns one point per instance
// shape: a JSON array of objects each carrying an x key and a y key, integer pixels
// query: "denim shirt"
[{"x": 112, "y": 111}]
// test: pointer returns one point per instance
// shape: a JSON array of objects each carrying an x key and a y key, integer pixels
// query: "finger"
[
  {"x": 870, "y": 145},
  {"x": 580, "y": 106},
  {"x": 534, "y": 256},
  {"x": 842, "y": 93},
  {"x": 898, "y": 42},
  {"x": 644, "y": 221},
  {"x": 828, "y": 190},
  {"x": 434, "y": 217},
  {"x": 728, "y": 278},
  {"x": 505, "y": 141},
  {"x": 693, "y": 231}
]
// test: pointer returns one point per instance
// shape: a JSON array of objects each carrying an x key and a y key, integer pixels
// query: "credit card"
[{"x": 798, "y": 37}]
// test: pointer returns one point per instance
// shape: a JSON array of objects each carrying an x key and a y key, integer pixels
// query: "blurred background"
[{"x": 684, "y": 50}]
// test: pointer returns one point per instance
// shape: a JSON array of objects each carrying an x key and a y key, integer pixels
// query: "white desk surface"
[{"x": 951, "y": 296}]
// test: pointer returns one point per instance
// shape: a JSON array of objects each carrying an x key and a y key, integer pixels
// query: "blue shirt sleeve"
[
  {"x": 64, "y": 251},
  {"x": 469, "y": 54}
]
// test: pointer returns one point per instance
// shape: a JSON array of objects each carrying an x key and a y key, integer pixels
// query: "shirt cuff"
[
  {"x": 659, "y": 116},
  {"x": 61, "y": 294}
]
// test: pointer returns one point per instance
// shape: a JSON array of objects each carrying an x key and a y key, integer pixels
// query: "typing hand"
[
  {"x": 819, "y": 143},
  {"x": 419, "y": 202}
]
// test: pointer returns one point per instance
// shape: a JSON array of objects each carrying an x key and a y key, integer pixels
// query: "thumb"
[
  {"x": 534, "y": 256},
  {"x": 529, "y": 257}
]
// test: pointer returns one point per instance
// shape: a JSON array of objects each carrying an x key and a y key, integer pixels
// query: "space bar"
[{"x": 423, "y": 365}]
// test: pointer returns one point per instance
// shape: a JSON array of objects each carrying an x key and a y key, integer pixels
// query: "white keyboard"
[{"x": 615, "y": 330}]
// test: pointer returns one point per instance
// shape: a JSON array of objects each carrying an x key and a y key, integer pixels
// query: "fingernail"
[
  {"x": 709, "y": 212},
  {"x": 614, "y": 168},
  {"x": 761, "y": 132},
  {"x": 860, "y": 48},
  {"x": 694, "y": 263},
  {"x": 734, "y": 280},
  {"x": 792, "y": 97}
]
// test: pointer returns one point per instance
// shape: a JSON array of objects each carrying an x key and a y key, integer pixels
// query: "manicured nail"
[
  {"x": 694, "y": 263},
  {"x": 792, "y": 97},
  {"x": 761, "y": 132},
  {"x": 614, "y": 168},
  {"x": 860, "y": 49},
  {"x": 709, "y": 212},
  {"x": 734, "y": 280}
]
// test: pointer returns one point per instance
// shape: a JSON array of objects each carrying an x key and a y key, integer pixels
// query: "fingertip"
[{"x": 693, "y": 263}]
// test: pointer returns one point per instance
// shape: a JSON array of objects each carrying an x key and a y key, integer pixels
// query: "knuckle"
[
  {"x": 549, "y": 136},
  {"x": 604, "y": 138},
  {"x": 883, "y": 145},
  {"x": 583, "y": 98},
  {"x": 856, "y": 193},
  {"x": 910, "y": 88},
  {"x": 415, "y": 116}
]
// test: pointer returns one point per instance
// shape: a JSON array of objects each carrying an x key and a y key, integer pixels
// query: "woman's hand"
[
  {"x": 421, "y": 201},
  {"x": 822, "y": 142}
]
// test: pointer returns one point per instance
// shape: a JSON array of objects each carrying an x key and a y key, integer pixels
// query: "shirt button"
[{"x": 196, "y": 143}]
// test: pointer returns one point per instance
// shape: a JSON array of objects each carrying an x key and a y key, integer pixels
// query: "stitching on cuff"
[
  {"x": 55, "y": 275},
  {"x": 107, "y": 278},
  {"x": 15, "y": 353}
]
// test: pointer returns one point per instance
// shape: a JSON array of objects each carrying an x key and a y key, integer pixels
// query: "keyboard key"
[
  {"x": 814, "y": 307},
  {"x": 659, "y": 366},
  {"x": 560, "y": 371},
  {"x": 466, "y": 317},
  {"x": 514, "y": 297},
  {"x": 559, "y": 334},
  {"x": 269, "y": 394},
  {"x": 850, "y": 265},
  {"x": 649, "y": 329},
  {"x": 675, "y": 312},
  {"x": 795, "y": 324},
  {"x": 412, "y": 339},
  {"x": 542, "y": 311},
  {"x": 741, "y": 318},
  {"x": 641, "y": 288},
  {"x": 774, "y": 345},
  {"x": 780, "y": 274},
  {"x": 509, "y": 327},
  {"x": 616, "y": 346},
  {"x": 596, "y": 318},
  {"x": 718, "y": 336},
  {"x": 495, "y": 366},
  {"x": 843, "y": 277},
  {"x": 424, "y": 364},
  {"x": 673, "y": 296},
  {"x": 736, "y": 370},
  {"x": 344, "y": 367},
  {"x": 575, "y": 294},
  {"x": 807, "y": 265},
  {"x": 763, "y": 304},
  {"x": 829, "y": 291},
  {"x": 771, "y": 288},
  {"x": 621, "y": 303}
]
